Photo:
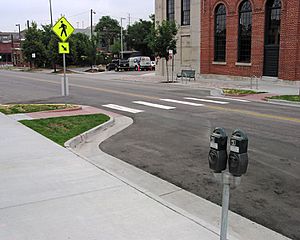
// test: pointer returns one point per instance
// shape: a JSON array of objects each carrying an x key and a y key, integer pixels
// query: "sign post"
[
  {"x": 171, "y": 56},
  {"x": 63, "y": 29}
]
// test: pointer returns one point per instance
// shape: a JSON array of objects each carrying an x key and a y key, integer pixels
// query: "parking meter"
[
  {"x": 238, "y": 156},
  {"x": 218, "y": 150}
]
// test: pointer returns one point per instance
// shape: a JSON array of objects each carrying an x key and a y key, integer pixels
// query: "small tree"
[
  {"x": 164, "y": 39},
  {"x": 34, "y": 44}
]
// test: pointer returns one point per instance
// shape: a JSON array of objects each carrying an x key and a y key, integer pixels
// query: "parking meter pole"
[{"x": 225, "y": 207}]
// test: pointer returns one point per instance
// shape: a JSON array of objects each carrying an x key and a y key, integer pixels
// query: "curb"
[
  {"x": 206, "y": 214},
  {"x": 66, "y": 110},
  {"x": 73, "y": 143},
  {"x": 283, "y": 102}
]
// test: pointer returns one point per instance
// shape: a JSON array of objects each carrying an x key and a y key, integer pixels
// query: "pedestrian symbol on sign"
[{"x": 64, "y": 28}]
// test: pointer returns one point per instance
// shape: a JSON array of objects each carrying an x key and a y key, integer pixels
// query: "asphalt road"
[{"x": 174, "y": 144}]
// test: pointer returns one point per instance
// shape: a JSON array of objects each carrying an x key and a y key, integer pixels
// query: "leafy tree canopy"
[
  {"x": 108, "y": 30},
  {"x": 138, "y": 36},
  {"x": 164, "y": 39}
]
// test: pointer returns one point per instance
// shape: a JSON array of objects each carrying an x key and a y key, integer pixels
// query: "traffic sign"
[
  {"x": 63, "y": 47},
  {"x": 63, "y": 29}
]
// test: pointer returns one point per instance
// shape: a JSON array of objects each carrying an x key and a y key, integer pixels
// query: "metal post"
[
  {"x": 91, "y": 23},
  {"x": 225, "y": 206},
  {"x": 65, "y": 78},
  {"x": 19, "y": 25},
  {"x": 173, "y": 68},
  {"x": 122, "y": 47},
  {"x": 50, "y": 5}
]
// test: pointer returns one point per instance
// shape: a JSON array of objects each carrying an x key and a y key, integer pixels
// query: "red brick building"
[
  {"x": 10, "y": 49},
  {"x": 251, "y": 37}
]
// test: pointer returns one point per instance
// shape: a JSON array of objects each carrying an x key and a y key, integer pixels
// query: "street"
[{"x": 170, "y": 137}]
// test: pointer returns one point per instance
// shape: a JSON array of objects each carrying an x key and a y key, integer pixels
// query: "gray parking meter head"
[
  {"x": 217, "y": 156},
  {"x": 238, "y": 156}
]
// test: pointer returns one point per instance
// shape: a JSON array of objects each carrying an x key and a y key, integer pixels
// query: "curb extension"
[
  {"x": 73, "y": 143},
  {"x": 238, "y": 224},
  {"x": 284, "y": 102}
]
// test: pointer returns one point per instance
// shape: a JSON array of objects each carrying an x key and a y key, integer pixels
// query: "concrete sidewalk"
[
  {"x": 272, "y": 86},
  {"x": 48, "y": 192}
]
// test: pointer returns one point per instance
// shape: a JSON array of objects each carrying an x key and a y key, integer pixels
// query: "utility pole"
[
  {"x": 129, "y": 19},
  {"x": 50, "y": 5},
  {"x": 92, "y": 12},
  {"x": 122, "y": 47}
]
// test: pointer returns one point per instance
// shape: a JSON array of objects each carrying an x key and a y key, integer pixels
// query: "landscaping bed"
[
  {"x": 291, "y": 98},
  {"x": 28, "y": 108},
  {"x": 62, "y": 129},
  {"x": 239, "y": 92}
]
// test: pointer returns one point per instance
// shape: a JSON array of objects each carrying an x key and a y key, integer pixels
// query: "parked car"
[
  {"x": 112, "y": 65},
  {"x": 122, "y": 64}
]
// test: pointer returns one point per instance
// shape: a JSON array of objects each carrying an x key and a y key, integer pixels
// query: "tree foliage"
[
  {"x": 164, "y": 39},
  {"x": 33, "y": 44},
  {"x": 108, "y": 31},
  {"x": 139, "y": 36}
]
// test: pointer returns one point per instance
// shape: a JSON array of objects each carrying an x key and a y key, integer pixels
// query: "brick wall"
[{"x": 289, "y": 54}]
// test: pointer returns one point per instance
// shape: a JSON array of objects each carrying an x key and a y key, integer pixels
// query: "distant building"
[
  {"x": 186, "y": 14},
  {"x": 235, "y": 38},
  {"x": 10, "y": 49},
  {"x": 251, "y": 37}
]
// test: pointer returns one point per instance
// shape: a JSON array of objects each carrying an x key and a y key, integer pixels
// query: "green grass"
[
  {"x": 62, "y": 129},
  {"x": 292, "y": 98},
  {"x": 239, "y": 91},
  {"x": 27, "y": 108}
]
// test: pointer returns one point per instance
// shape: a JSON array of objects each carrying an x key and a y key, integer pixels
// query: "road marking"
[
  {"x": 182, "y": 102},
  {"x": 232, "y": 99},
  {"x": 256, "y": 114},
  {"x": 270, "y": 117},
  {"x": 122, "y": 108},
  {"x": 205, "y": 100},
  {"x": 154, "y": 105}
]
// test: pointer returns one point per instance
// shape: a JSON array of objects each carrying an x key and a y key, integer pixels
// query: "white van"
[{"x": 143, "y": 62}]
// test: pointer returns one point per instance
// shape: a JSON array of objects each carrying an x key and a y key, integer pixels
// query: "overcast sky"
[{"x": 76, "y": 11}]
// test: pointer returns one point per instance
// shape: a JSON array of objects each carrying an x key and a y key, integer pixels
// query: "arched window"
[
  {"x": 220, "y": 33},
  {"x": 245, "y": 32},
  {"x": 273, "y": 9}
]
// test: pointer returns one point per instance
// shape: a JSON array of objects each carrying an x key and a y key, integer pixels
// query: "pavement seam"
[{"x": 61, "y": 197}]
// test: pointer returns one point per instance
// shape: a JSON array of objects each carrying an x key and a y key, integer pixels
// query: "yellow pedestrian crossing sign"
[
  {"x": 63, "y": 47},
  {"x": 63, "y": 29}
]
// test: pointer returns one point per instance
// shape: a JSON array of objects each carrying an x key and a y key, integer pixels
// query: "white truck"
[{"x": 142, "y": 63}]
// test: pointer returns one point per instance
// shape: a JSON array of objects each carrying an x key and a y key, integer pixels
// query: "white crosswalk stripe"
[
  {"x": 230, "y": 99},
  {"x": 182, "y": 102},
  {"x": 205, "y": 100},
  {"x": 122, "y": 108},
  {"x": 154, "y": 105}
]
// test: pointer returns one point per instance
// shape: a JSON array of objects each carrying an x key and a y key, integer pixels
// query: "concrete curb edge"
[{"x": 76, "y": 141}]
